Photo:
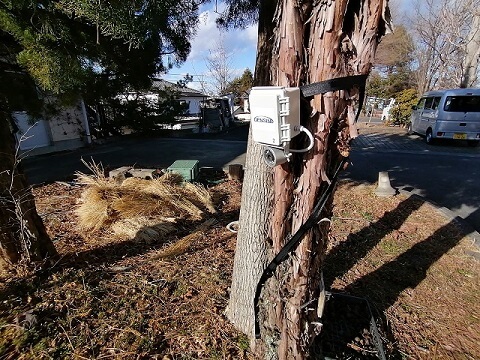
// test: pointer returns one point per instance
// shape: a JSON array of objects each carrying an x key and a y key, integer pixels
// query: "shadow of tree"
[
  {"x": 112, "y": 252},
  {"x": 344, "y": 256},
  {"x": 383, "y": 286},
  {"x": 398, "y": 138}
]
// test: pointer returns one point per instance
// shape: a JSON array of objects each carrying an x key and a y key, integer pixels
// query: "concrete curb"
[
  {"x": 413, "y": 152},
  {"x": 464, "y": 225}
]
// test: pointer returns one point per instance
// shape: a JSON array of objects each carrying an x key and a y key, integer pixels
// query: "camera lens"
[
  {"x": 269, "y": 157},
  {"x": 274, "y": 156}
]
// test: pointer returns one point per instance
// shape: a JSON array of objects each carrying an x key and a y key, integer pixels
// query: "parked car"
[{"x": 448, "y": 114}]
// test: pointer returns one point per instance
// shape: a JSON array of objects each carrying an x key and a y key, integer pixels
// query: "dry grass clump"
[
  {"x": 180, "y": 246},
  {"x": 138, "y": 208},
  {"x": 141, "y": 228},
  {"x": 97, "y": 179}
]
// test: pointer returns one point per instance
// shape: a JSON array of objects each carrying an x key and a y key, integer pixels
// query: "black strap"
[
  {"x": 292, "y": 244},
  {"x": 342, "y": 83}
]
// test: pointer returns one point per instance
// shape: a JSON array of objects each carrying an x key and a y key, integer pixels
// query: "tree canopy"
[
  {"x": 241, "y": 84},
  {"x": 436, "y": 47},
  {"x": 239, "y": 13},
  {"x": 395, "y": 50},
  {"x": 447, "y": 43},
  {"x": 87, "y": 46},
  {"x": 393, "y": 65}
]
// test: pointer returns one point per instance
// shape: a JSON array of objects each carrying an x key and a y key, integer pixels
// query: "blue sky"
[{"x": 241, "y": 45}]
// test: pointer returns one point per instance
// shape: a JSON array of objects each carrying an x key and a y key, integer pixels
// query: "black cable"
[{"x": 292, "y": 244}]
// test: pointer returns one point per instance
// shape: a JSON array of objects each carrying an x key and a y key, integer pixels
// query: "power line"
[{"x": 201, "y": 75}]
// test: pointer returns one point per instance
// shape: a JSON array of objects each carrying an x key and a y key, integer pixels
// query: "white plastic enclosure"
[{"x": 275, "y": 114}]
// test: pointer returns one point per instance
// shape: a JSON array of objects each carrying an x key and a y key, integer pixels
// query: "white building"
[
  {"x": 190, "y": 96},
  {"x": 66, "y": 130}
]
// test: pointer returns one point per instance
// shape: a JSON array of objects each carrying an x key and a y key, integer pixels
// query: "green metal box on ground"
[{"x": 187, "y": 168}]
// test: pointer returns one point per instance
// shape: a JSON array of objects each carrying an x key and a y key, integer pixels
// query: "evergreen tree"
[
  {"x": 240, "y": 85},
  {"x": 404, "y": 100},
  {"x": 393, "y": 61},
  {"x": 88, "y": 48}
]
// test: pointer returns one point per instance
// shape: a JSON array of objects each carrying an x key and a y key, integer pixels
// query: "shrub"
[{"x": 404, "y": 100}]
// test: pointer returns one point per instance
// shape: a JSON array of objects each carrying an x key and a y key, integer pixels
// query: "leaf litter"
[{"x": 116, "y": 296}]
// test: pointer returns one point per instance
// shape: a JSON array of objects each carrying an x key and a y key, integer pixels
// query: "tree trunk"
[
  {"x": 22, "y": 234},
  {"x": 314, "y": 41},
  {"x": 251, "y": 252},
  {"x": 251, "y": 249},
  {"x": 472, "y": 56}
]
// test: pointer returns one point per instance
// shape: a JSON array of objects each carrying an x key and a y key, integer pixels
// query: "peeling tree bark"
[
  {"x": 316, "y": 41},
  {"x": 312, "y": 41}
]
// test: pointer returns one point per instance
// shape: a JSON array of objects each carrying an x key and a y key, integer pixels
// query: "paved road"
[
  {"x": 447, "y": 174},
  {"x": 142, "y": 152}
]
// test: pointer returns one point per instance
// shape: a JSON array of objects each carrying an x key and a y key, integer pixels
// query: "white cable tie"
[
  {"x": 306, "y": 304},
  {"x": 310, "y": 137},
  {"x": 324, "y": 220},
  {"x": 230, "y": 226}
]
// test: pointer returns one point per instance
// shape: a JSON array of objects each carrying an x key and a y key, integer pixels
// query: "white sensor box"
[{"x": 275, "y": 114}]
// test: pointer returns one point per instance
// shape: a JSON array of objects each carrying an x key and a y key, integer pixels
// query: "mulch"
[{"x": 394, "y": 260}]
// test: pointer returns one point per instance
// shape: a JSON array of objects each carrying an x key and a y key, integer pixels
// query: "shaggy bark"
[
  {"x": 313, "y": 41},
  {"x": 22, "y": 233}
]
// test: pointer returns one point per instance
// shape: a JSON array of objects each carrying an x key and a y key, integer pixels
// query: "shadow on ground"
[{"x": 383, "y": 286}]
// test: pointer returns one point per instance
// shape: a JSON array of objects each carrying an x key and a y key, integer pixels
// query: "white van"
[{"x": 448, "y": 114}]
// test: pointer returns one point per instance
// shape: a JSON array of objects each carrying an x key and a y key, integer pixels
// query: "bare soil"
[{"x": 117, "y": 299}]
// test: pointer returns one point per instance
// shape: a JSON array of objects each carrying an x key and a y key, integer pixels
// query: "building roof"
[{"x": 162, "y": 84}]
